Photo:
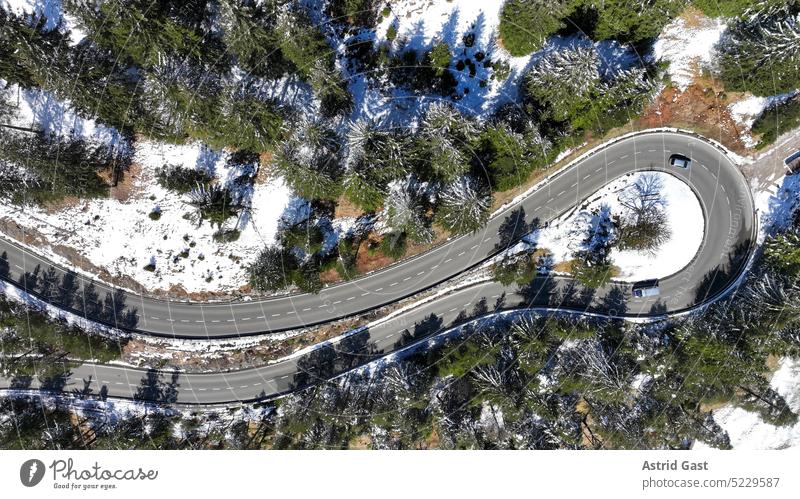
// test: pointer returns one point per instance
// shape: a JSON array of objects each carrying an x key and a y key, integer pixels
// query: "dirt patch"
[
  {"x": 264, "y": 171},
  {"x": 347, "y": 209},
  {"x": 129, "y": 185},
  {"x": 361, "y": 442},
  {"x": 703, "y": 107}
]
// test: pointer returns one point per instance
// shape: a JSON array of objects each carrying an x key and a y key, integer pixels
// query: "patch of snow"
[
  {"x": 748, "y": 431},
  {"x": 747, "y": 110},
  {"x": 686, "y": 47},
  {"x": 684, "y": 219},
  {"x": 39, "y": 109},
  {"x": 51, "y": 10},
  {"x": 120, "y": 236},
  {"x": 776, "y": 205},
  {"x": 422, "y": 23}
]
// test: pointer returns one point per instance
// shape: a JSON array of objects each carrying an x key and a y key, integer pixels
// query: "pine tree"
[
  {"x": 463, "y": 205},
  {"x": 761, "y": 54},
  {"x": 561, "y": 82},
  {"x": 310, "y": 161},
  {"x": 445, "y": 133},
  {"x": 376, "y": 157},
  {"x": 405, "y": 211},
  {"x": 632, "y": 21},
  {"x": 272, "y": 269},
  {"x": 525, "y": 25}
]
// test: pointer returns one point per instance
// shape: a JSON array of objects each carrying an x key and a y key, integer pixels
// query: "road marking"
[
  {"x": 587, "y": 176},
  {"x": 393, "y": 284},
  {"x": 453, "y": 309},
  {"x": 154, "y": 317},
  {"x": 276, "y": 315},
  {"x": 623, "y": 157},
  {"x": 306, "y": 309},
  {"x": 284, "y": 377},
  {"x": 215, "y": 322},
  {"x": 461, "y": 253},
  {"x": 420, "y": 273},
  {"x": 365, "y": 294},
  {"x": 389, "y": 336},
  {"x": 473, "y": 247},
  {"x": 405, "y": 279},
  {"x": 448, "y": 260},
  {"x": 379, "y": 289},
  {"x": 184, "y": 320},
  {"x": 351, "y": 298},
  {"x": 337, "y": 302},
  {"x": 246, "y": 319},
  {"x": 560, "y": 193}
]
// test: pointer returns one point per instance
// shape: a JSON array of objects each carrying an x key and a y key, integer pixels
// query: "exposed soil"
[{"x": 703, "y": 107}]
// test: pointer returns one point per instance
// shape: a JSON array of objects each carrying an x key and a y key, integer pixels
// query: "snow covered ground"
[
  {"x": 51, "y": 10},
  {"x": 422, "y": 23},
  {"x": 746, "y": 111},
  {"x": 748, "y": 431},
  {"x": 684, "y": 218},
  {"x": 121, "y": 237},
  {"x": 687, "y": 47}
]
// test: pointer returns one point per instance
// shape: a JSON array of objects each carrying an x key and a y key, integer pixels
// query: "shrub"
[
  {"x": 393, "y": 245},
  {"x": 182, "y": 180}
]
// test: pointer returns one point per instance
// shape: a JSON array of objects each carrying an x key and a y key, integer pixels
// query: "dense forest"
[{"x": 179, "y": 72}]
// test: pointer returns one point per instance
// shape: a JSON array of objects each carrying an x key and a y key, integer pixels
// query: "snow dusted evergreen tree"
[
  {"x": 761, "y": 53},
  {"x": 616, "y": 101},
  {"x": 464, "y": 205},
  {"x": 376, "y": 158},
  {"x": 249, "y": 32},
  {"x": 272, "y": 269},
  {"x": 562, "y": 81},
  {"x": 783, "y": 252},
  {"x": 591, "y": 265},
  {"x": 310, "y": 161},
  {"x": 406, "y": 207},
  {"x": 445, "y": 132}
]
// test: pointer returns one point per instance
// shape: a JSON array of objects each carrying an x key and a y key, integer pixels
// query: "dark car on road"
[
  {"x": 793, "y": 163},
  {"x": 680, "y": 161},
  {"x": 646, "y": 288}
]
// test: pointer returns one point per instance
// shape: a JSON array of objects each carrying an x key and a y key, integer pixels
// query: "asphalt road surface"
[{"x": 729, "y": 231}]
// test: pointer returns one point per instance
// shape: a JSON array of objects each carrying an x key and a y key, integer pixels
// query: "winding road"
[{"x": 727, "y": 242}]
